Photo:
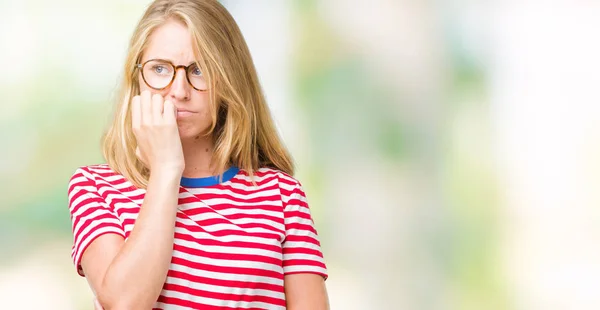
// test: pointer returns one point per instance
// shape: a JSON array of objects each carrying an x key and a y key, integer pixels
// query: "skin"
[{"x": 169, "y": 126}]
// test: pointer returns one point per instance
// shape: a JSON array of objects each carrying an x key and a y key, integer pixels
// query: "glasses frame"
[{"x": 175, "y": 69}]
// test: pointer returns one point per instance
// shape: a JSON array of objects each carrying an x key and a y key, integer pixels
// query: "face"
[{"x": 172, "y": 41}]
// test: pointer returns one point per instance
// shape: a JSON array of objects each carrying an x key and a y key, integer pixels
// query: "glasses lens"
[
  {"x": 157, "y": 73},
  {"x": 196, "y": 77}
]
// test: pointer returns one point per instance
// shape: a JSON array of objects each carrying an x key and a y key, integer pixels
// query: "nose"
[{"x": 180, "y": 88}]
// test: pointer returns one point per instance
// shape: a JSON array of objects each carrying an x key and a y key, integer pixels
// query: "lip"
[{"x": 181, "y": 113}]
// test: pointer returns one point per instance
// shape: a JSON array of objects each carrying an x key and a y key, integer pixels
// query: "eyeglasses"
[{"x": 159, "y": 74}]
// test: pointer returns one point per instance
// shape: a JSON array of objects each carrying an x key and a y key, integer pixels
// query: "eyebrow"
[{"x": 167, "y": 59}]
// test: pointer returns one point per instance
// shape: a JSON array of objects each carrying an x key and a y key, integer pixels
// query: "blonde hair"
[{"x": 242, "y": 128}]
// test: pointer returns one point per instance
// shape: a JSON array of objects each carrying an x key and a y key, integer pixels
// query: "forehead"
[{"x": 171, "y": 41}]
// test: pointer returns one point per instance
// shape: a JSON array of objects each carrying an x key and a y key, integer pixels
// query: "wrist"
[{"x": 166, "y": 173}]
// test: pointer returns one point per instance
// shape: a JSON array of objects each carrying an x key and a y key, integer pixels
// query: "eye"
[
  {"x": 195, "y": 71},
  {"x": 160, "y": 69}
]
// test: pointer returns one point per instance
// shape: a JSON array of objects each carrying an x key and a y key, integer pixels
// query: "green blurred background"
[{"x": 449, "y": 149}]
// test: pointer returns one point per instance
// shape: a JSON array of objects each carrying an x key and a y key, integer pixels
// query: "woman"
[{"x": 196, "y": 207}]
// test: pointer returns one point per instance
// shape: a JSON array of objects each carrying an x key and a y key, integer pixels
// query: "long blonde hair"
[{"x": 242, "y": 127}]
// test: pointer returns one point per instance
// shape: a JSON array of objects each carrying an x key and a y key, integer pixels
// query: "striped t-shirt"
[{"x": 234, "y": 241}]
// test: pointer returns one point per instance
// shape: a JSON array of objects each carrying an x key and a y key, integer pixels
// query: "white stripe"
[
  {"x": 298, "y": 197},
  {"x": 226, "y": 262},
  {"x": 228, "y": 238},
  {"x": 290, "y": 187},
  {"x": 237, "y": 185},
  {"x": 310, "y": 257},
  {"x": 217, "y": 201},
  {"x": 100, "y": 168},
  {"x": 126, "y": 205},
  {"x": 225, "y": 289},
  {"x": 299, "y": 220},
  {"x": 227, "y": 276},
  {"x": 228, "y": 226},
  {"x": 82, "y": 244},
  {"x": 229, "y": 250},
  {"x": 74, "y": 204},
  {"x": 208, "y": 214},
  {"x": 287, "y": 177},
  {"x": 93, "y": 223},
  {"x": 255, "y": 178},
  {"x": 304, "y": 245},
  {"x": 245, "y": 221},
  {"x": 119, "y": 193},
  {"x": 304, "y": 269},
  {"x": 164, "y": 306},
  {"x": 215, "y": 191},
  {"x": 221, "y": 226},
  {"x": 84, "y": 208},
  {"x": 110, "y": 197},
  {"x": 233, "y": 210},
  {"x": 110, "y": 179},
  {"x": 219, "y": 303}
]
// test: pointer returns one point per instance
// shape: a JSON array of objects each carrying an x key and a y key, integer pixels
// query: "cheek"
[
  {"x": 142, "y": 86},
  {"x": 202, "y": 104},
  {"x": 204, "y": 119}
]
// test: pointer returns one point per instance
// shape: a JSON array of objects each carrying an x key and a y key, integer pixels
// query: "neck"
[{"x": 197, "y": 153}]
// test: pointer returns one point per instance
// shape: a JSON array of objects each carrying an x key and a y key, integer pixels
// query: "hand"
[
  {"x": 97, "y": 305},
  {"x": 154, "y": 123}
]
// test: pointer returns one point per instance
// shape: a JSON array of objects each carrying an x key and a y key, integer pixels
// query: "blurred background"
[{"x": 449, "y": 149}]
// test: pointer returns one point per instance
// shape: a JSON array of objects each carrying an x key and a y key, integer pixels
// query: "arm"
[
  {"x": 303, "y": 265},
  {"x": 130, "y": 275},
  {"x": 305, "y": 291}
]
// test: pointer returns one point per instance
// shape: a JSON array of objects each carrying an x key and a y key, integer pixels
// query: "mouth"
[{"x": 182, "y": 113}]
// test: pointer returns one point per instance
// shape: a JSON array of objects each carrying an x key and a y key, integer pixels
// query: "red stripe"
[
  {"x": 194, "y": 305},
  {"x": 226, "y": 232},
  {"x": 226, "y": 283},
  {"x": 96, "y": 220},
  {"x": 223, "y": 296},
  {"x": 296, "y": 250},
  {"x": 228, "y": 270},
  {"x": 87, "y": 236},
  {"x": 276, "y": 198},
  {"x": 302, "y": 262},
  {"x": 228, "y": 256},
  {"x": 247, "y": 183},
  {"x": 234, "y": 244},
  {"x": 222, "y": 206},
  {"x": 248, "y": 190},
  {"x": 299, "y": 238},
  {"x": 208, "y": 223}
]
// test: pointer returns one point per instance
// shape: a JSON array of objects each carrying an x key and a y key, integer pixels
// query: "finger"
[
  {"x": 146, "y": 104},
  {"x": 170, "y": 113},
  {"x": 136, "y": 113},
  {"x": 157, "y": 107},
  {"x": 139, "y": 155}
]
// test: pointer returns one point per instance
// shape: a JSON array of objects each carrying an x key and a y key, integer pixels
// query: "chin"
[{"x": 190, "y": 132}]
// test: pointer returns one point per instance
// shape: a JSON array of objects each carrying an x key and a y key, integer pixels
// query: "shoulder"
[
  {"x": 270, "y": 174},
  {"x": 94, "y": 173},
  {"x": 267, "y": 178},
  {"x": 289, "y": 186}
]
